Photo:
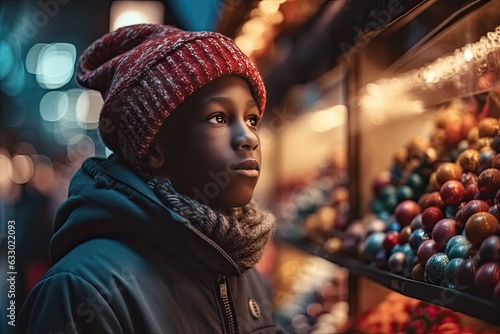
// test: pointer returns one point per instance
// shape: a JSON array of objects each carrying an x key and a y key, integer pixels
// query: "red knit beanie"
[{"x": 145, "y": 71}]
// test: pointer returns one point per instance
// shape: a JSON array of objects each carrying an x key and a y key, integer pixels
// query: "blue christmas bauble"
[{"x": 434, "y": 268}]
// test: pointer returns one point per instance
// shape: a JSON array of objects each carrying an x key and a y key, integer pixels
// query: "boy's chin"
[{"x": 233, "y": 202}]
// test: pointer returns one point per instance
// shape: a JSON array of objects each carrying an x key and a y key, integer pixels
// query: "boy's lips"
[{"x": 248, "y": 167}]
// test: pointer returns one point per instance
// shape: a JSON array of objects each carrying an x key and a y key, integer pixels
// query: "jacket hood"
[{"x": 107, "y": 200}]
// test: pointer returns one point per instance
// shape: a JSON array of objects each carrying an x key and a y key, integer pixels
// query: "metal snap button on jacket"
[{"x": 254, "y": 308}]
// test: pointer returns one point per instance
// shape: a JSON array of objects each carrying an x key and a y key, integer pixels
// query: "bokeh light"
[
  {"x": 124, "y": 13},
  {"x": 24, "y": 148},
  {"x": 266, "y": 136},
  {"x": 13, "y": 83},
  {"x": 65, "y": 130},
  {"x": 88, "y": 107},
  {"x": 269, "y": 7},
  {"x": 80, "y": 147},
  {"x": 6, "y": 58},
  {"x": 129, "y": 17},
  {"x": 6, "y": 168},
  {"x": 53, "y": 106},
  {"x": 44, "y": 178},
  {"x": 468, "y": 55},
  {"x": 22, "y": 169},
  {"x": 32, "y": 57},
  {"x": 324, "y": 120},
  {"x": 275, "y": 19},
  {"x": 256, "y": 26},
  {"x": 73, "y": 96},
  {"x": 55, "y": 65},
  {"x": 67, "y": 127},
  {"x": 249, "y": 43}
]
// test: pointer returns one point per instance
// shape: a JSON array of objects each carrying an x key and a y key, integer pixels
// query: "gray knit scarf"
[{"x": 241, "y": 232}]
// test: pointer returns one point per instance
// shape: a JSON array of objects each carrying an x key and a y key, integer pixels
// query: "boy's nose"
[{"x": 244, "y": 138}]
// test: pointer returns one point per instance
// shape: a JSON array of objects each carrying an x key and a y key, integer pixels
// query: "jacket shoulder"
[
  {"x": 67, "y": 303},
  {"x": 93, "y": 289},
  {"x": 95, "y": 257}
]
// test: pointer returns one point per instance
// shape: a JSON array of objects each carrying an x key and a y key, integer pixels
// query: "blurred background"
[
  {"x": 319, "y": 155},
  {"x": 48, "y": 123}
]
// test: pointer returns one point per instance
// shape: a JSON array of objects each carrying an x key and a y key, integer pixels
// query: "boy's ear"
[{"x": 155, "y": 159}]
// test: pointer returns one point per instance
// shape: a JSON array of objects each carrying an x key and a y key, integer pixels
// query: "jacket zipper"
[
  {"x": 226, "y": 304},
  {"x": 217, "y": 247}
]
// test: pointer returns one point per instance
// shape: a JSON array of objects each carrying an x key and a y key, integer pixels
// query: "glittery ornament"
[
  {"x": 469, "y": 160},
  {"x": 434, "y": 268}
]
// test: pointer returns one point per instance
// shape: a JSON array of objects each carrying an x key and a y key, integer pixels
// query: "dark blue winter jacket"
[{"x": 125, "y": 263}]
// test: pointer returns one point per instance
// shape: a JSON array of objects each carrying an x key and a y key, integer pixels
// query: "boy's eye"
[
  {"x": 217, "y": 119},
  {"x": 252, "y": 121}
]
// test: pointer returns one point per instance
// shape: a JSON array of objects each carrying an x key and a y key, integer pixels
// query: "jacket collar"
[{"x": 108, "y": 200}]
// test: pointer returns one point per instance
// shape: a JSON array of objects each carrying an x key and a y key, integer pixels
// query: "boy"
[{"x": 162, "y": 237}]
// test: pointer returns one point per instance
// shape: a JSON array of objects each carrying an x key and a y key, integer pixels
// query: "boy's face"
[{"x": 211, "y": 146}]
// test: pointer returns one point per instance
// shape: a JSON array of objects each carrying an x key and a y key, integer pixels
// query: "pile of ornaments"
[
  {"x": 314, "y": 206},
  {"x": 400, "y": 314},
  {"x": 310, "y": 294},
  {"x": 436, "y": 212}
]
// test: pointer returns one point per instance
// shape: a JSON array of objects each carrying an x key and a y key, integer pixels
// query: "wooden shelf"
[{"x": 454, "y": 300}]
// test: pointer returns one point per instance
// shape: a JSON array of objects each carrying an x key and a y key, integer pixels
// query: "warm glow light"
[
  {"x": 128, "y": 18},
  {"x": 256, "y": 12},
  {"x": 248, "y": 44},
  {"x": 429, "y": 76},
  {"x": 275, "y": 18},
  {"x": 43, "y": 176},
  {"x": 125, "y": 13},
  {"x": 269, "y": 7},
  {"x": 377, "y": 118},
  {"x": 456, "y": 73},
  {"x": 266, "y": 136},
  {"x": 256, "y": 26},
  {"x": 324, "y": 120},
  {"x": 417, "y": 106},
  {"x": 88, "y": 107},
  {"x": 468, "y": 55},
  {"x": 6, "y": 168},
  {"x": 373, "y": 89},
  {"x": 22, "y": 169}
]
